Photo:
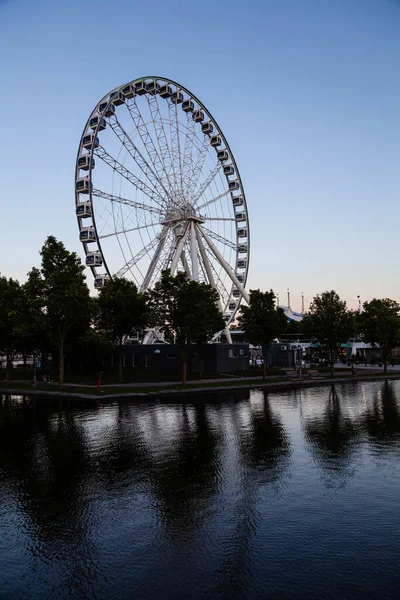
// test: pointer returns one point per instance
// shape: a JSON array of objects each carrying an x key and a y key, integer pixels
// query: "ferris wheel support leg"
[
  {"x": 152, "y": 266},
  {"x": 193, "y": 252},
  {"x": 207, "y": 267},
  {"x": 186, "y": 264},
  {"x": 178, "y": 252},
  {"x": 225, "y": 265}
]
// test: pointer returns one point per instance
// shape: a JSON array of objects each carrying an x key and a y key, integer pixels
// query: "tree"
[
  {"x": 65, "y": 295},
  {"x": 121, "y": 309},
  {"x": 379, "y": 324},
  {"x": 262, "y": 321},
  {"x": 10, "y": 293},
  {"x": 186, "y": 309},
  {"x": 31, "y": 328},
  {"x": 328, "y": 321}
]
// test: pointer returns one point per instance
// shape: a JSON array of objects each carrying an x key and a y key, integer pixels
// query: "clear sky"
[{"x": 307, "y": 93}]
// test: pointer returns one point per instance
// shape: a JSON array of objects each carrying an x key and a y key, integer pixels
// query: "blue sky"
[{"x": 306, "y": 92}]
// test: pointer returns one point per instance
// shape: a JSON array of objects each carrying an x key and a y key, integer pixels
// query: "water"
[{"x": 236, "y": 495}]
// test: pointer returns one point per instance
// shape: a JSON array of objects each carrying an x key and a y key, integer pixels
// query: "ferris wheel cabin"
[
  {"x": 118, "y": 99},
  {"x": 232, "y": 305},
  {"x": 82, "y": 185},
  {"x": 228, "y": 170},
  {"x": 237, "y": 200},
  {"x": 94, "y": 259},
  {"x": 90, "y": 139},
  {"x": 153, "y": 88},
  {"x": 236, "y": 293},
  {"x": 242, "y": 263},
  {"x": 177, "y": 97},
  {"x": 215, "y": 141},
  {"x": 85, "y": 162},
  {"x": 198, "y": 116},
  {"x": 109, "y": 111},
  {"x": 84, "y": 210},
  {"x": 207, "y": 127},
  {"x": 97, "y": 121},
  {"x": 242, "y": 248},
  {"x": 188, "y": 106},
  {"x": 222, "y": 155},
  {"x": 100, "y": 281},
  {"x": 87, "y": 234},
  {"x": 242, "y": 232},
  {"x": 241, "y": 216},
  {"x": 166, "y": 91},
  {"x": 129, "y": 91},
  {"x": 233, "y": 186},
  {"x": 141, "y": 88}
]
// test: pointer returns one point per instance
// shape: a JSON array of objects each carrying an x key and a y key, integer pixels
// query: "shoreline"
[{"x": 272, "y": 386}]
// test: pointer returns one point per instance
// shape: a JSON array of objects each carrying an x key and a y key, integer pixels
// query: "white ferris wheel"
[{"x": 157, "y": 187}]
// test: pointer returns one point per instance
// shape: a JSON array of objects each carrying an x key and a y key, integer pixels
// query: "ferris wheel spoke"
[
  {"x": 120, "y": 200},
  {"x": 147, "y": 141},
  {"x": 162, "y": 143},
  {"x": 176, "y": 147},
  {"x": 139, "y": 159},
  {"x": 188, "y": 162},
  {"x": 135, "y": 259},
  {"x": 123, "y": 231},
  {"x": 178, "y": 139},
  {"x": 165, "y": 149},
  {"x": 207, "y": 182},
  {"x": 199, "y": 165},
  {"x": 212, "y": 200},
  {"x": 101, "y": 153},
  {"x": 220, "y": 238},
  {"x": 221, "y": 219}
]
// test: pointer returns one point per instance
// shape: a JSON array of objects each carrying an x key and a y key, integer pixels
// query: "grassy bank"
[{"x": 274, "y": 383}]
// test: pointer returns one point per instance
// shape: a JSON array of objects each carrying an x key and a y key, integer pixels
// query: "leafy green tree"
[
  {"x": 379, "y": 324},
  {"x": 262, "y": 321},
  {"x": 185, "y": 309},
  {"x": 329, "y": 322},
  {"x": 31, "y": 327},
  {"x": 10, "y": 294},
  {"x": 121, "y": 309},
  {"x": 65, "y": 295}
]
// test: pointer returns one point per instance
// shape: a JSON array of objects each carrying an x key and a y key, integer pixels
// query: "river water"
[{"x": 234, "y": 495}]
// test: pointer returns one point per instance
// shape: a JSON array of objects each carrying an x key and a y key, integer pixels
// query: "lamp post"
[{"x": 288, "y": 298}]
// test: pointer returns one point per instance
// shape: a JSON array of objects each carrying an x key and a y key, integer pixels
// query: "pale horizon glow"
[{"x": 306, "y": 93}]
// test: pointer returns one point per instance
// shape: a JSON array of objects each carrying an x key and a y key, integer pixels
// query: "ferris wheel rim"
[{"x": 108, "y": 100}]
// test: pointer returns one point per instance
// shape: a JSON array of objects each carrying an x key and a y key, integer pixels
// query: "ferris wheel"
[{"x": 157, "y": 187}]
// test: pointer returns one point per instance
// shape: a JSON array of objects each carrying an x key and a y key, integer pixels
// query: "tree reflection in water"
[
  {"x": 382, "y": 417},
  {"x": 264, "y": 451},
  {"x": 332, "y": 434},
  {"x": 45, "y": 467},
  {"x": 185, "y": 478}
]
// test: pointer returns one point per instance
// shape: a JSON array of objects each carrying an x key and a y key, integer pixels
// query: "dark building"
[{"x": 165, "y": 358}]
